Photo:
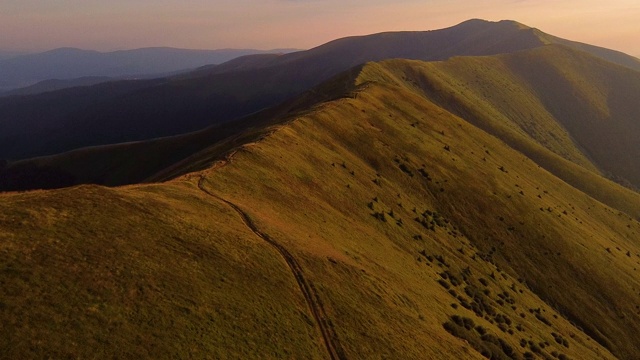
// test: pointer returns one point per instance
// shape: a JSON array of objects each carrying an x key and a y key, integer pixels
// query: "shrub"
[
  {"x": 406, "y": 170},
  {"x": 486, "y": 344},
  {"x": 424, "y": 174},
  {"x": 535, "y": 348},
  {"x": 523, "y": 343},
  {"x": 543, "y": 319},
  {"x": 380, "y": 216},
  {"x": 481, "y": 330},
  {"x": 468, "y": 323},
  {"x": 444, "y": 284}
]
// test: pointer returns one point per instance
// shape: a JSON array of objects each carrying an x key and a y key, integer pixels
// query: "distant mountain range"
[
  {"x": 137, "y": 110},
  {"x": 53, "y": 85},
  {"x": 10, "y": 54},
  {"x": 70, "y": 63}
]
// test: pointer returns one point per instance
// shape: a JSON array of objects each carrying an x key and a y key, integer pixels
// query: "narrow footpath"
[{"x": 306, "y": 287}]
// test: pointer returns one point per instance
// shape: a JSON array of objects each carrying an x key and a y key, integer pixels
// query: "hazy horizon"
[{"x": 30, "y": 26}]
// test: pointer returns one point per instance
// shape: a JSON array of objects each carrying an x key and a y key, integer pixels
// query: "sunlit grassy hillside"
[
  {"x": 378, "y": 224},
  {"x": 570, "y": 103},
  {"x": 355, "y": 170},
  {"x": 151, "y": 272}
]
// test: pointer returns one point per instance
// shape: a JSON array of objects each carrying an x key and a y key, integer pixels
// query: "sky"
[{"x": 38, "y": 25}]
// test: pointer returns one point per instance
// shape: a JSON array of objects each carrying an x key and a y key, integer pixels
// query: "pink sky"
[{"x": 35, "y": 25}]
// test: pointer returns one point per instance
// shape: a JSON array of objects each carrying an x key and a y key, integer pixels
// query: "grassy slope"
[
  {"x": 318, "y": 208},
  {"x": 594, "y": 100},
  {"x": 613, "y": 56},
  {"x": 529, "y": 236},
  {"x": 164, "y": 158},
  {"x": 147, "y": 272},
  {"x": 545, "y": 120}
]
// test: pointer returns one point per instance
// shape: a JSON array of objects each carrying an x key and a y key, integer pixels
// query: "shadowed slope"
[
  {"x": 53, "y": 85},
  {"x": 613, "y": 56},
  {"x": 230, "y": 91},
  {"x": 165, "y": 158},
  {"x": 423, "y": 236},
  {"x": 573, "y": 104}
]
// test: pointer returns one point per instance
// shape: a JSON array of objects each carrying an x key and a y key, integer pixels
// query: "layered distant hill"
[
  {"x": 54, "y": 84},
  {"x": 136, "y": 110},
  {"x": 584, "y": 113},
  {"x": 70, "y": 63},
  {"x": 401, "y": 209},
  {"x": 9, "y": 54}
]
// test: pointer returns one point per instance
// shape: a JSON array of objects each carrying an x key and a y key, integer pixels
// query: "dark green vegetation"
[
  {"x": 403, "y": 209},
  {"x": 130, "y": 111}
]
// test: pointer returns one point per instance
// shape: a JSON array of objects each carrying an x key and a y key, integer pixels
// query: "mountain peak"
[{"x": 483, "y": 22}]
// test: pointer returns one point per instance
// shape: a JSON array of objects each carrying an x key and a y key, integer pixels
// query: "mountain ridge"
[
  {"x": 234, "y": 92},
  {"x": 69, "y": 63},
  {"x": 400, "y": 209},
  {"x": 515, "y": 112},
  {"x": 472, "y": 43},
  {"x": 422, "y": 235},
  {"x": 357, "y": 146}
]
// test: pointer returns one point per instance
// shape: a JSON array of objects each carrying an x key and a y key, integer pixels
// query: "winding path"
[{"x": 306, "y": 287}]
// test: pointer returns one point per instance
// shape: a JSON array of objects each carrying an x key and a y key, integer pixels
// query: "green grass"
[
  {"x": 509, "y": 227},
  {"x": 152, "y": 272},
  {"x": 518, "y": 99},
  {"x": 317, "y": 207}
]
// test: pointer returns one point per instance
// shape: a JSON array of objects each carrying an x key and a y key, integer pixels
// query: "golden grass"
[
  {"x": 506, "y": 97},
  {"x": 151, "y": 272},
  {"x": 472, "y": 227},
  {"x": 385, "y": 301}
]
